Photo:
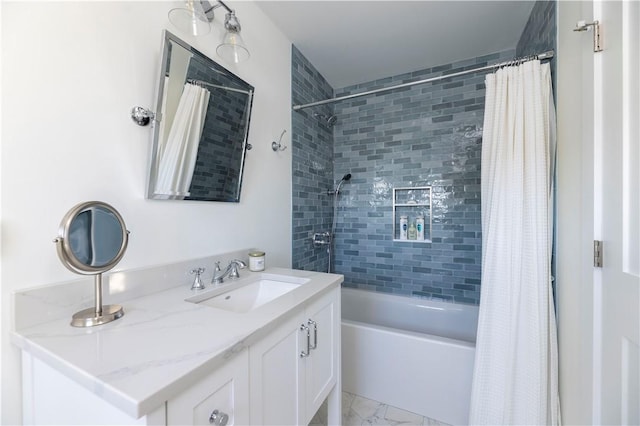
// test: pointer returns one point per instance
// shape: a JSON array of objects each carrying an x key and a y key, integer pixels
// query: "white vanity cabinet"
[
  {"x": 295, "y": 367},
  {"x": 278, "y": 364},
  {"x": 51, "y": 398},
  {"x": 221, "y": 397}
]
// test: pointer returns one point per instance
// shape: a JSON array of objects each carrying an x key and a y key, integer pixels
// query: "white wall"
[
  {"x": 71, "y": 71},
  {"x": 575, "y": 286}
]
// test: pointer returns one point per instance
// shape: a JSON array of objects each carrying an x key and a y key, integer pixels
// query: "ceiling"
[{"x": 353, "y": 42}]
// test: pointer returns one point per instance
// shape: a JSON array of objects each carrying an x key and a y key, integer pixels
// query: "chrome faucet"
[
  {"x": 231, "y": 271},
  {"x": 197, "y": 282}
]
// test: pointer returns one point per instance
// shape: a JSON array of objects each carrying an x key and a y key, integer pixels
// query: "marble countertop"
[{"x": 163, "y": 344}]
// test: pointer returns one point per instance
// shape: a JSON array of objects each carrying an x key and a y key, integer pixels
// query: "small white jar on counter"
[{"x": 256, "y": 261}]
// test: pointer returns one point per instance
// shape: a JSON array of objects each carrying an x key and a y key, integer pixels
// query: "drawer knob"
[{"x": 218, "y": 418}]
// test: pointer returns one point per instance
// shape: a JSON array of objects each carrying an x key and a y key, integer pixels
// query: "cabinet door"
[
  {"x": 322, "y": 364},
  {"x": 275, "y": 371},
  {"x": 226, "y": 390}
]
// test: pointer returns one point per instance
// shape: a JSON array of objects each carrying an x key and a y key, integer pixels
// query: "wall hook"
[
  {"x": 142, "y": 116},
  {"x": 278, "y": 146}
]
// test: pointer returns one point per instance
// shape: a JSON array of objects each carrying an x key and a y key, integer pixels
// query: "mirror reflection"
[
  {"x": 95, "y": 237},
  {"x": 92, "y": 238},
  {"x": 200, "y": 141}
]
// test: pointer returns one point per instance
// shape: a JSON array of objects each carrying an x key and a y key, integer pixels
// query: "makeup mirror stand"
[
  {"x": 98, "y": 314},
  {"x": 92, "y": 239}
]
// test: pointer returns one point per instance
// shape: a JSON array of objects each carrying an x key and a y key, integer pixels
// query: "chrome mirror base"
[{"x": 89, "y": 318}]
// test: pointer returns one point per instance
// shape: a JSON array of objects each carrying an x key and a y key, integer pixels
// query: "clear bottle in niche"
[
  {"x": 412, "y": 232},
  {"x": 420, "y": 228}
]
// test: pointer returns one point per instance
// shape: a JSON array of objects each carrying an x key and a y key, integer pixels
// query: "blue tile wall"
[
  {"x": 539, "y": 34},
  {"x": 312, "y": 165},
  {"x": 427, "y": 134}
]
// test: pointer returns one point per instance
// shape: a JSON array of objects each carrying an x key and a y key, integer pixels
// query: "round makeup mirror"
[{"x": 92, "y": 239}]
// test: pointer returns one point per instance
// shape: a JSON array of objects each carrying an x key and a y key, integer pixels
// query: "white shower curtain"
[
  {"x": 515, "y": 378},
  {"x": 177, "y": 158}
]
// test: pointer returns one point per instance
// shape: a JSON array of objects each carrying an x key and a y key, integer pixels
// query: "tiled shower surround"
[
  {"x": 428, "y": 134},
  {"x": 424, "y": 135},
  {"x": 312, "y": 152}
]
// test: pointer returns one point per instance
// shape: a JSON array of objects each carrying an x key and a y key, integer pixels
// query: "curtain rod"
[
  {"x": 204, "y": 83},
  {"x": 542, "y": 56}
]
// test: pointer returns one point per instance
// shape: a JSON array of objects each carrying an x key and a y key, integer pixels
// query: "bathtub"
[{"x": 414, "y": 354}]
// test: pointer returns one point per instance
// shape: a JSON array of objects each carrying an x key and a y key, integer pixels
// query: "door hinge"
[
  {"x": 597, "y": 254},
  {"x": 595, "y": 25}
]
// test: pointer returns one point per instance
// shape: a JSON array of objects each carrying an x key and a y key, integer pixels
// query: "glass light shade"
[
  {"x": 233, "y": 48},
  {"x": 189, "y": 21}
]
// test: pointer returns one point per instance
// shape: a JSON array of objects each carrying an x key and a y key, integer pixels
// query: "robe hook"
[{"x": 278, "y": 146}]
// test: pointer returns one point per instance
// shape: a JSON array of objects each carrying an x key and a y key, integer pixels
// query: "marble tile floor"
[{"x": 357, "y": 410}]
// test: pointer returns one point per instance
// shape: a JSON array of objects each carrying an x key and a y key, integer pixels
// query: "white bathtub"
[{"x": 414, "y": 354}]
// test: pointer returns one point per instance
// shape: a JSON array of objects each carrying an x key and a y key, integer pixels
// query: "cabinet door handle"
[
  {"x": 218, "y": 418},
  {"x": 304, "y": 354},
  {"x": 315, "y": 333}
]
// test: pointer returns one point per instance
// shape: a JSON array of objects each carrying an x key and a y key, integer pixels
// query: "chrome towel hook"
[{"x": 278, "y": 146}]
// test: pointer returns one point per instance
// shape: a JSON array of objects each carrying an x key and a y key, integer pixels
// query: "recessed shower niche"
[{"x": 412, "y": 214}]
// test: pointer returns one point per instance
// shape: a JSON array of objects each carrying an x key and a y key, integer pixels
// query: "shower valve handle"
[{"x": 321, "y": 239}]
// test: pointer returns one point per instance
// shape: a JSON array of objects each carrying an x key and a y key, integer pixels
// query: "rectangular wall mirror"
[{"x": 201, "y": 129}]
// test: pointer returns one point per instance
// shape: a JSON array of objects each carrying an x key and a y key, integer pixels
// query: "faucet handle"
[
  {"x": 197, "y": 282},
  {"x": 217, "y": 267},
  {"x": 239, "y": 263},
  {"x": 234, "y": 265}
]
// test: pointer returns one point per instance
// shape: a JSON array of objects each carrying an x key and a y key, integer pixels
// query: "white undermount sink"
[{"x": 251, "y": 295}]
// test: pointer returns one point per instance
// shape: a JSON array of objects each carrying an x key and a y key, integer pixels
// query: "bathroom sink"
[{"x": 253, "y": 294}]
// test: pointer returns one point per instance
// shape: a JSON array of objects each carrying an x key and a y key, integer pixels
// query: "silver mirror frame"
[
  {"x": 64, "y": 247},
  {"x": 155, "y": 118},
  {"x": 99, "y": 314}
]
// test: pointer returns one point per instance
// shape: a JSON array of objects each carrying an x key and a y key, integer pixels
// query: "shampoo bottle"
[
  {"x": 403, "y": 227},
  {"x": 420, "y": 228}
]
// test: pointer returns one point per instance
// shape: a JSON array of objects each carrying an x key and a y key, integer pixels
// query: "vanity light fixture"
[
  {"x": 232, "y": 47},
  {"x": 195, "y": 19},
  {"x": 190, "y": 20}
]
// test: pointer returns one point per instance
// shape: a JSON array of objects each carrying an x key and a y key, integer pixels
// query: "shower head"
[
  {"x": 330, "y": 120},
  {"x": 344, "y": 179}
]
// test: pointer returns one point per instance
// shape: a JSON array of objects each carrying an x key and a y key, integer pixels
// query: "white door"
[{"x": 617, "y": 215}]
